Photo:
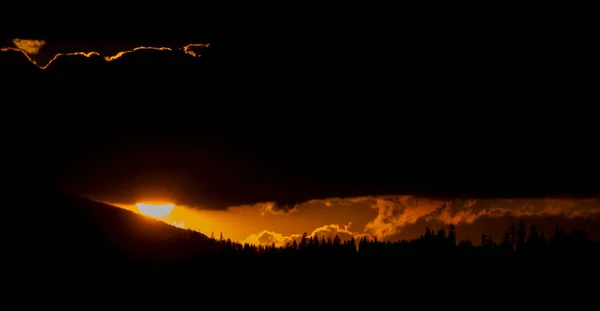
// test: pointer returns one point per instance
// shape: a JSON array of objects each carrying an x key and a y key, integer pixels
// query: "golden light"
[{"x": 155, "y": 210}]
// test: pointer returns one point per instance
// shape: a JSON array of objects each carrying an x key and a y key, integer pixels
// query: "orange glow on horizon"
[
  {"x": 386, "y": 218},
  {"x": 188, "y": 49},
  {"x": 155, "y": 210}
]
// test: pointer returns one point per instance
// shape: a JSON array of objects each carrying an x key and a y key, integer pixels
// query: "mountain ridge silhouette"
[{"x": 79, "y": 229}]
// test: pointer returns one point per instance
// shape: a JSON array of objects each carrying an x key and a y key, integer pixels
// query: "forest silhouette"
[
  {"x": 78, "y": 230},
  {"x": 86, "y": 244},
  {"x": 516, "y": 242}
]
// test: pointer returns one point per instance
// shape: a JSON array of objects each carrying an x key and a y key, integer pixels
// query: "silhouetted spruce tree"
[
  {"x": 513, "y": 235},
  {"x": 487, "y": 243},
  {"x": 441, "y": 234},
  {"x": 316, "y": 241},
  {"x": 337, "y": 241},
  {"x": 533, "y": 233},
  {"x": 452, "y": 236},
  {"x": 428, "y": 233},
  {"x": 506, "y": 246},
  {"x": 351, "y": 246},
  {"x": 543, "y": 239},
  {"x": 303, "y": 242},
  {"x": 362, "y": 244},
  {"x": 506, "y": 238},
  {"x": 465, "y": 247},
  {"x": 532, "y": 244},
  {"x": 521, "y": 235}
]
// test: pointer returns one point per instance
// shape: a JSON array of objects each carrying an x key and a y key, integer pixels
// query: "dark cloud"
[
  {"x": 293, "y": 122},
  {"x": 272, "y": 208}
]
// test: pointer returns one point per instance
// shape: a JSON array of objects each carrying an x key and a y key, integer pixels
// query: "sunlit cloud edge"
[{"x": 187, "y": 49}]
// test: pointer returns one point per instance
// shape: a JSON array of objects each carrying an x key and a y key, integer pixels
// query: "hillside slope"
[{"x": 60, "y": 229}]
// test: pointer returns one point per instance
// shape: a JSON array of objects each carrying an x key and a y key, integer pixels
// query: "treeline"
[{"x": 442, "y": 242}]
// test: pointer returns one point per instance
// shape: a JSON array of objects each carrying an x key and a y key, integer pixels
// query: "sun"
[{"x": 155, "y": 210}]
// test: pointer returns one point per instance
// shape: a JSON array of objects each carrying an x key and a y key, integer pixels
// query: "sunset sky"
[
  {"x": 438, "y": 137},
  {"x": 375, "y": 146},
  {"x": 385, "y": 218}
]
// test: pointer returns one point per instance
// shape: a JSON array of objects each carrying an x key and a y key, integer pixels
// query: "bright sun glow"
[{"x": 155, "y": 210}]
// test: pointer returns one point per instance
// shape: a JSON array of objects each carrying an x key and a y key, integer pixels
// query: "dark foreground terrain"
[
  {"x": 78, "y": 234},
  {"x": 67, "y": 247}
]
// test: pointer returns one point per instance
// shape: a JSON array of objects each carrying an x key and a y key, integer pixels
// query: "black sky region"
[{"x": 291, "y": 108}]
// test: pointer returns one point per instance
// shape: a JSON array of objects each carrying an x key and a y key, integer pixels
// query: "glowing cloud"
[
  {"x": 190, "y": 49},
  {"x": 266, "y": 237},
  {"x": 396, "y": 213},
  {"x": 30, "y": 47}
]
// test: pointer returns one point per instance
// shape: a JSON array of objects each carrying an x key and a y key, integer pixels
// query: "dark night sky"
[{"x": 295, "y": 107}]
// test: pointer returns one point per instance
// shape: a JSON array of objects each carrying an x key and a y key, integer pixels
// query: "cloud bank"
[
  {"x": 396, "y": 216},
  {"x": 272, "y": 208}
]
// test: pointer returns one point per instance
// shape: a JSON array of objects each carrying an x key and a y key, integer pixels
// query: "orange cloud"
[
  {"x": 118, "y": 55},
  {"x": 394, "y": 213},
  {"x": 266, "y": 237},
  {"x": 384, "y": 218},
  {"x": 343, "y": 232},
  {"x": 190, "y": 49},
  {"x": 397, "y": 212},
  {"x": 30, "y": 47},
  {"x": 194, "y": 49}
]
